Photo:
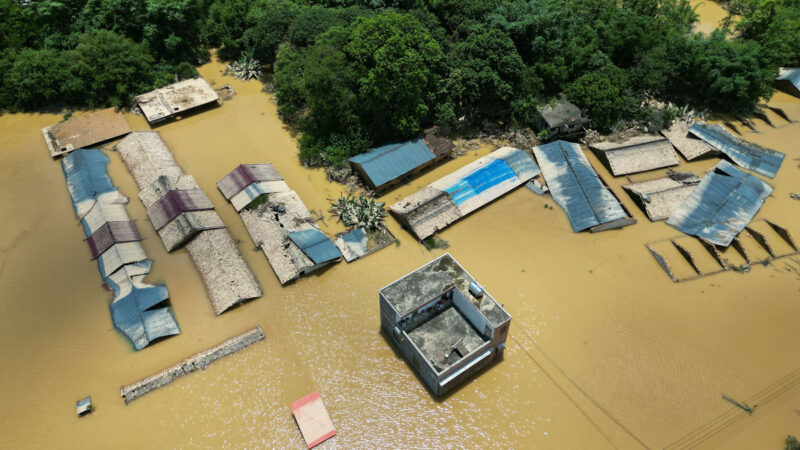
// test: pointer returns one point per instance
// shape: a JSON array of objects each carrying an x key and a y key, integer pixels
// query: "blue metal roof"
[
  {"x": 576, "y": 187},
  {"x": 719, "y": 208},
  {"x": 386, "y": 163},
  {"x": 482, "y": 179},
  {"x": 791, "y": 79},
  {"x": 86, "y": 174},
  {"x": 315, "y": 245},
  {"x": 746, "y": 154}
]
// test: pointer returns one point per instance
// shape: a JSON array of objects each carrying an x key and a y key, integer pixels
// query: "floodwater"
[{"x": 604, "y": 350}]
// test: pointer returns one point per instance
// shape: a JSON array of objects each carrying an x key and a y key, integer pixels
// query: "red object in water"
[{"x": 313, "y": 419}]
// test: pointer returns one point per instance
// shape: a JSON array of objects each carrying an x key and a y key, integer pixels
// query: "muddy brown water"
[{"x": 604, "y": 351}]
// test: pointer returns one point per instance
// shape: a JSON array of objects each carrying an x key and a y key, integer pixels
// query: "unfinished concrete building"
[
  {"x": 444, "y": 323},
  {"x": 164, "y": 103}
]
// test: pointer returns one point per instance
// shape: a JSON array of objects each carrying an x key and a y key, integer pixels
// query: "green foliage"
[
  {"x": 359, "y": 212},
  {"x": 775, "y": 24},
  {"x": 792, "y": 443}
]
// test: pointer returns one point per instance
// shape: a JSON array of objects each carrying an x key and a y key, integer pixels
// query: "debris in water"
[
  {"x": 84, "y": 406},
  {"x": 313, "y": 419}
]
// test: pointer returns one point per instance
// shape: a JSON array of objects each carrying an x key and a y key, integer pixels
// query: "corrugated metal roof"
[
  {"x": 636, "y": 154},
  {"x": 109, "y": 207},
  {"x": 186, "y": 225},
  {"x": 111, "y": 233},
  {"x": 244, "y": 175},
  {"x": 315, "y": 245},
  {"x": 746, "y": 154},
  {"x": 788, "y": 80},
  {"x": 132, "y": 309},
  {"x": 118, "y": 255},
  {"x": 724, "y": 202},
  {"x": 576, "y": 187},
  {"x": 520, "y": 162},
  {"x": 175, "y": 203},
  {"x": 86, "y": 175},
  {"x": 255, "y": 190},
  {"x": 386, "y": 163}
]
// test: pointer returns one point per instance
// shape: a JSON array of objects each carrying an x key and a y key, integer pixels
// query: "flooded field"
[{"x": 604, "y": 351}]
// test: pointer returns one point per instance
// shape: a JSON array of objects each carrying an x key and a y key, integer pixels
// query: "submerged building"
[
  {"x": 636, "y": 154},
  {"x": 384, "y": 167},
  {"x": 561, "y": 119},
  {"x": 749, "y": 155},
  {"x": 444, "y": 323},
  {"x": 163, "y": 103},
  {"x": 788, "y": 80},
  {"x": 466, "y": 190},
  {"x": 85, "y": 130}
]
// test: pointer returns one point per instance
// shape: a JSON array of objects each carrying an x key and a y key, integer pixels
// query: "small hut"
[{"x": 561, "y": 119}]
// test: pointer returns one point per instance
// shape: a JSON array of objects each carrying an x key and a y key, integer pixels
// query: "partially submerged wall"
[{"x": 198, "y": 361}]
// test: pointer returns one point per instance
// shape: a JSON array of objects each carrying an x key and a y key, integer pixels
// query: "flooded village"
[{"x": 641, "y": 335}]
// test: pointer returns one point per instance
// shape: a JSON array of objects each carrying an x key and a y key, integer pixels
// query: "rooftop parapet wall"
[
  {"x": 199, "y": 361},
  {"x": 163, "y": 103},
  {"x": 637, "y": 154},
  {"x": 84, "y": 130}
]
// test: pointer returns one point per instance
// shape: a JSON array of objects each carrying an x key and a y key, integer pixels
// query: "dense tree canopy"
[{"x": 350, "y": 74}]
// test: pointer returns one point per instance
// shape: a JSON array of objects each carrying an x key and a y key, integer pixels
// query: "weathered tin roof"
[
  {"x": 358, "y": 243},
  {"x": 788, "y": 80},
  {"x": 85, "y": 171},
  {"x": 467, "y": 189},
  {"x": 688, "y": 146},
  {"x": 636, "y": 154},
  {"x": 746, "y": 154},
  {"x": 244, "y": 175},
  {"x": 175, "y": 203},
  {"x": 255, "y": 190},
  {"x": 388, "y": 162},
  {"x": 163, "y": 103},
  {"x": 133, "y": 309},
  {"x": 315, "y": 245},
  {"x": 724, "y": 202},
  {"x": 110, "y": 233},
  {"x": 84, "y": 130},
  {"x": 577, "y": 188},
  {"x": 118, "y": 255},
  {"x": 661, "y": 196}
]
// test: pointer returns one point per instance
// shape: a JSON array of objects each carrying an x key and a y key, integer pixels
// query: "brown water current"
[{"x": 604, "y": 351}]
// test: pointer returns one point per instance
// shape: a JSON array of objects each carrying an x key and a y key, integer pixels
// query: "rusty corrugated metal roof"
[
  {"x": 111, "y": 233},
  {"x": 244, "y": 175},
  {"x": 175, "y": 203}
]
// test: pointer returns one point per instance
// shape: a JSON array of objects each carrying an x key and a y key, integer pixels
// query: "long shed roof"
[
  {"x": 577, "y": 187},
  {"x": 637, "y": 154},
  {"x": 147, "y": 158},
  {"x": 467, "y": 189},
  {"x": 388, "y": 162},
  {"x": 84, "y": 130},
  {"x": 761, "y": 160},
  {"x": 87, "y": 178},
  {"x": 724, "y": 202}
]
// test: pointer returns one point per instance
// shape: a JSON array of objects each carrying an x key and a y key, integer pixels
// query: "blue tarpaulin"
[
  {"x": 576, "y": 187},
  {"x": 315, "y": 245},
  {"x": 719, "y": 208},
  {"x": 746, "y": 154},
  {"x": 384, "y": 164},
  {"x": 484, "y": 178}
]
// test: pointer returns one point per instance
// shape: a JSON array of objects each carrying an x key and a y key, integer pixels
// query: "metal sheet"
[
  {"x": 133, "y": 309},
  {"x": 245, "y": 175},
  {"x": 746, "y": 154},
  {"x": 576, "y": 187},
  {"x": 255, "y": 190},
  {"x": 724, "y": 202},
  {"x": 315, "y": 245},
  {"x": 111, "y": 233},
  {"x": 85, "y": 171},
  {"x": 788, "y": 80},
  {"x": 384, "y": 164},
  {"x": 175, "y": 203},
  {"x": 118, "y": 255}
]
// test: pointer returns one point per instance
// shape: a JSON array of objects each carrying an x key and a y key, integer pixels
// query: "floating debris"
[
  {"x": 163, "y": 103},
  {"x": 198, "y": 361},
  {"x": 579, "y": 190},
  {"x": 720, "y": 206},
  {"x": 85, "y": 130},
  {"x": 313, "y": 419},
  {"x": 84, "y": 406}
]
